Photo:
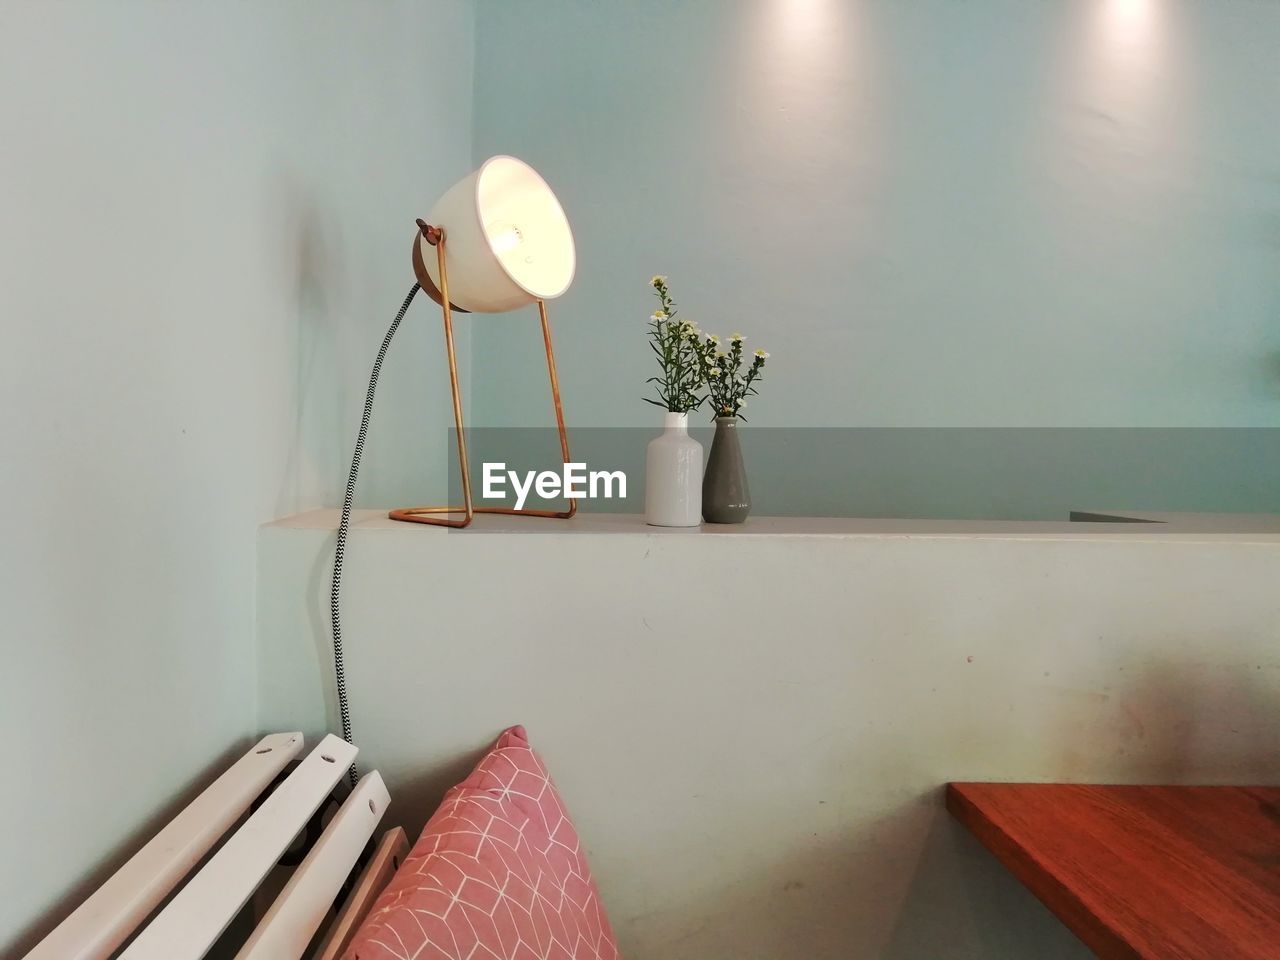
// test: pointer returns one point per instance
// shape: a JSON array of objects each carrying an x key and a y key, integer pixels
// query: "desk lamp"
[
  {"x": 496, "y": 241},
  {"x": 501, "y": 242}
]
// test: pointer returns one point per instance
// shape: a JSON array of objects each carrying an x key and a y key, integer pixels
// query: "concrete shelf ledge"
[{"x": 1084, "y": 525}]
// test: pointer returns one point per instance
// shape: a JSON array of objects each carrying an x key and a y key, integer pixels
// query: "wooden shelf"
[{"x": 1174, "y": 873}]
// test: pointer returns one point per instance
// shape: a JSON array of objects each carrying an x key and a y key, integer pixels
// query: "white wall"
[
  {"x": 206, "y": 212},
  {"x": 752, "y": 731}
]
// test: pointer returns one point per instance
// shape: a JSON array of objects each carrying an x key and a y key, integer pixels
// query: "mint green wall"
[
  {"x": 941, "y": 214},
  {"x": 207, "y": 216},
  {"x": 935, "y": 213}
]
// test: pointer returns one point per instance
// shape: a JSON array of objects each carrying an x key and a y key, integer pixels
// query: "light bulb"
[{"x": 504, "y": 237}]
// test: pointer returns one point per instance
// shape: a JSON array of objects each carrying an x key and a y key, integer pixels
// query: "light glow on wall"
[
  {"x": 1125, "y": 67},
  {"x": 1130, "y": 30},
  {"x": 1129, "y": 19},
  {"x": 799, "y": 60},
  {"x": 801, "y": 25}
]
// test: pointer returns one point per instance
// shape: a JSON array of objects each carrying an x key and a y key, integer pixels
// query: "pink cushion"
[{"x": 498, "y": 872}]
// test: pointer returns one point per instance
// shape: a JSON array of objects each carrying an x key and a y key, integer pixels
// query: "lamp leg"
[
  {"x": 424, "y": 514},
  {"x": 555, "y": 399}
]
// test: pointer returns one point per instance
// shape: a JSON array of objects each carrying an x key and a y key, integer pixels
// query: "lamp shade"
[{"x": 507, "y": 240}]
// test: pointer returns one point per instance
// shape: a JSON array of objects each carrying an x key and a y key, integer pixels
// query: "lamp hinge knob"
[{"x": 433, "y": 234}]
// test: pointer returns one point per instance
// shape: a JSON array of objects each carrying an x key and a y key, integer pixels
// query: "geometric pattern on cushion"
[{"x": 498, "y": 874}]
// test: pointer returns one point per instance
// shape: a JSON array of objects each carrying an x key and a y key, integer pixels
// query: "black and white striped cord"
[{"x": 344, "y": 527}]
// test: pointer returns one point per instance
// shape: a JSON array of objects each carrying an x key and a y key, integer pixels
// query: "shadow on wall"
[
  {"x": 899, "y": 886},
  {"x": 963, "y": 905},
  {"x": 939, "y": 892},
  {"x": 77, "y": 894},
  {"x": 958, "y": 903},
  {"x": 961, "y": 890},
  {"x": 414, "y": 801},
  {"x": 312, "y": 467},
  {"x": 1198, "y": 722},
  {"x": 319, "y": 581}
]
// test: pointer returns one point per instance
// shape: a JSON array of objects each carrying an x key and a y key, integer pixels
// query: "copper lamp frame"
[{"x": 435, "y": 236}]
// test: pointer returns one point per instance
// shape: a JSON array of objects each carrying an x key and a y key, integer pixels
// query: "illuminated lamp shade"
[{"x": 508, "y": 240}]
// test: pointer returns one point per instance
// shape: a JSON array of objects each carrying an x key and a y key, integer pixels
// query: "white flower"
[
  {"x": 762, "y": 354},
  {"x": 658, "y": 280},
  {"x": 720, "y": 354},
  {"x": 714, "y": 371},
  {"x": 737, "y": 338},
  {"x": 741, "y": 404},
  {"x": 658, "y": 316},
  {"x": 712, "y": 338}
]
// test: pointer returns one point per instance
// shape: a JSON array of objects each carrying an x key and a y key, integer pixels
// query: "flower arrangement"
[
  {"x": 693, "y": 362},
  {"x": 728, "y": 384},
  {"x": 676, "y": 345}
]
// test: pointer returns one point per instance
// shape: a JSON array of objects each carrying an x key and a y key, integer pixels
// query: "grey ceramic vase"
[{"x": 725, "y": 496}]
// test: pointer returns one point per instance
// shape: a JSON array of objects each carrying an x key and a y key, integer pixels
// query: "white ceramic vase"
[{"x": 673, "y": 476}]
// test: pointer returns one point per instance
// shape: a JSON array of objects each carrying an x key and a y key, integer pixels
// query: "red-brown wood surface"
[{"x": 1165, "y": 873}]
